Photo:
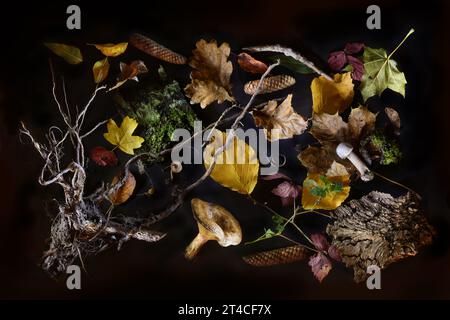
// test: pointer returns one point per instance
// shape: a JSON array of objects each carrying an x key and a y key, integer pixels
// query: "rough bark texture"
[
  {"x": 277, "y": 256},
  {"x": 379, "y": 230}
]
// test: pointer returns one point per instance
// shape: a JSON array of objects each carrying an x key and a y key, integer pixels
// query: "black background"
[{"x": 159, "y": 270}]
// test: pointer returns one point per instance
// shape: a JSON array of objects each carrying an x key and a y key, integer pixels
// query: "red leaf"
[
  {"x": 250, "y": 64},
  {"x": 334, "y": 253},
  {"x": 320, "y": 241},
  {"x": 358, "y": 67},
  {"x": 103, "y": 157},
  {"x": 337, "y": 60},
  {"x": 353, "y": 47},
  {"x": 287, "y": 191},
  {"x": 320, "y": 266}
]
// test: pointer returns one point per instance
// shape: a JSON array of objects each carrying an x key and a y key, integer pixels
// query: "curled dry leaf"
[
  {"x": 111, "y": 49},
  {"x": 123, "y": 137},
  {"x": 378, "y": 229},
  {"x": 130, "y": 72},
  {"x": 100, "y": 70},
  {"x": 210, "y": 80},
  {"x": 236, "y": 167},
  {"x": 122, "y": 194},
  {"x": 277, "y": 256},
  {"x": 320, "y": 266},
  {"x": 332, "y": 96},
  {"x": 394, "y": 118},
  {"x": 282, "y": 119},
  {"x": 250, "y": 64},
  {"x": 103, "y": 157},
  {"x": 155, "y": 49},
  {"x": 270, "y": 84},
  {"x": 70, "y": 54}
]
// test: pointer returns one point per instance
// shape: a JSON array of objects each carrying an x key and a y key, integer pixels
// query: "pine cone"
[
  {"x": 156, "y": 50},
  {"x": 270, "y": 84},
  {"x": 277, "y": 256}
]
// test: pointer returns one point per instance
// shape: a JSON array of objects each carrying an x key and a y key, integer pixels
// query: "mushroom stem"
[
  {"x": 364, "y": 171},
  {"x": 194, "y": 247}
]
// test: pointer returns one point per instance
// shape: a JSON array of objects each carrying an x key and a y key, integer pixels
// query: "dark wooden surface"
[{"x": 159, "y": 270}]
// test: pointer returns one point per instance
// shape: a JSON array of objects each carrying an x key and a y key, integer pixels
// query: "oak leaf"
[
  {"x": 210, "y": 79},
  {"x": 282, "y": 119},
  {"x": 70, "y": 54},
  {"x": 122, "y": 136},
  {"x": 332, "y": 96},
  {"x": 236, "y": 167}
]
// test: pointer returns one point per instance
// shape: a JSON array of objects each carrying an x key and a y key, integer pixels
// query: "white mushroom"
[{"x": 345, "y": 151}]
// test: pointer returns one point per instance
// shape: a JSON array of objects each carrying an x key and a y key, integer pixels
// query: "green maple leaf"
[{"x": 381, "y": 72}]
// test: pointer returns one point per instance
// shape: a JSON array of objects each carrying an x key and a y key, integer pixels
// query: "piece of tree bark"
[{"x": 379, "y": 229}]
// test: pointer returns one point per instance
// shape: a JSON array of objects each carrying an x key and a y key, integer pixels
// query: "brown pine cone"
[
  {"x": 156, "y": 50},
  {"x": 270, "y": 84},
  {"x": 277, "y": 256}
]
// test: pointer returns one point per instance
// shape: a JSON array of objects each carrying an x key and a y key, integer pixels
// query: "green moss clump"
[
  {"x": 382, "y": 149},
  {"x": 159, "y": 109}
]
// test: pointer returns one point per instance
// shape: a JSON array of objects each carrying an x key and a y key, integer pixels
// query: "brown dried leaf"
[
  {"x": 393, "y": 117},
  {"x": 320, "y": 159},
  {"x": 130, "y": 72},
  {"x": 329, "y": 128},
  {"x": 277, "y": 256},
  {"x": 123, "y": 193},
  {"x": 283, "y": 119},
  {"x": 360, "y": 122},
  {"x": 250, "y": 64},
  {"x": 210, "y": 80},
  {"x": 379, "y": 229}
]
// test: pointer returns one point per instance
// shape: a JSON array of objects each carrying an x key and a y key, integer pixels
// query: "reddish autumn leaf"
[
  {"x": 103, "y": 157},
  {"x": 288, "y": 192},
  {"x": 320, "y": 266},
  {"x": 320, "y": 241},
  {"x": 337, "y": 60},
  {"x": 353, "y": 48},
  {"x": 334, "y": 253},
  {"x": 250, "y": 64},
  {"x": 358, "y": 67}
]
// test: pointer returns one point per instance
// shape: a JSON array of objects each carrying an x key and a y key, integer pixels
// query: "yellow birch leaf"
[
  {"x": 236, "y": 167},
  {"x": 111, "y": 49},
  {"x": 332, "y": 96},
  {"x": 123, "y": 137},
  {"x": 100, "y": 70},
  {"x": 122, "y": 194},
  {"x": 71, "y": 54}
]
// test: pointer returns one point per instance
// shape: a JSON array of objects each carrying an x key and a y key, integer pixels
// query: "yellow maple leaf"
[
  {"x": 236, "y": 167},
  {"x": 111, "y": 49},
  {"x": 332, "y": 96},
  {"x": 326, "y": 191},
  {"x": 210, "y": 80},
  {"x": 123, "y": 137}
]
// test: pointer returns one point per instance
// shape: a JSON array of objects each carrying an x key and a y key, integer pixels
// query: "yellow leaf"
[
  {"x": 71, "y": 54},
  {"x": 323, "y": 192},
  {"x": 282, "y": 119},
  {"x": 100, "y": 70},
  {"x": 332, "y": 96},
  {"x": 123, "y": 137},
  {"x": 236, "y": 167},
  {"x": 111, "y": 49},
  {"x": 210, "y": 80}
]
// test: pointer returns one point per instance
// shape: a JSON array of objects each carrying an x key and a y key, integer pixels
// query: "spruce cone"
[
  {"x": 156, "y": 50},
  {"x": 270, "y": 84},
  {"x": 277, "y": 256}
]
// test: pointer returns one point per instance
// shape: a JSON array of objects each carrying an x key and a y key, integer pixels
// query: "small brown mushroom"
[{"x": 214, "y": 223}]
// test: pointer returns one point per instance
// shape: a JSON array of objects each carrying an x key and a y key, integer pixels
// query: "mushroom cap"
[
  {"x": 217, "y": 222},
  {"x": 343, "y": 150}
]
